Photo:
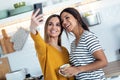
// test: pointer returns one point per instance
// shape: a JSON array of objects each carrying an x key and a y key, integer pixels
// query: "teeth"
[
  {"x": 67, "y": 26},
  {"x": 53, "y": 31}
]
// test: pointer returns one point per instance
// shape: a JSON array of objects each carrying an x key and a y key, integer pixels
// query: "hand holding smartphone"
[{"x": 38, "y": 6}]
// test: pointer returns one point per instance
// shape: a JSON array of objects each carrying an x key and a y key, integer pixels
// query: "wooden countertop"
[{"x": 112, "y": 69}]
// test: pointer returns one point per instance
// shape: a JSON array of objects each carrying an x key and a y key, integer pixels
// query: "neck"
[
  {"x": 78, "y": 32},
  {"x": 53, "y": 41}
]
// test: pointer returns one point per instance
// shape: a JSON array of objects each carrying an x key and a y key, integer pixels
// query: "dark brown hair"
[
  {"x": 46, "y": 37},
  {"x": 76, "y": 15}
]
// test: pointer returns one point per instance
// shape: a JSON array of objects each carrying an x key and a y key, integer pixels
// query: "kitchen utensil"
[
  {"x": 4, "y": 67},
  {"x": 19, "y": 38},
  {"x": 7, "y": 46}
]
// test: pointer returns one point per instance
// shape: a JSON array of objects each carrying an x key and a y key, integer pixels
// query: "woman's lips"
[{"x": 67, "y": 26}]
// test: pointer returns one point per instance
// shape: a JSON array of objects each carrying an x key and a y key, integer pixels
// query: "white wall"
[
  {"x": 106, "y": 31},
  {"x": 110, "y": 14}
]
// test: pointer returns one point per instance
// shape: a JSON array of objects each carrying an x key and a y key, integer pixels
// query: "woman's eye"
[
  {"x": 50, "y": 24},
  {"x": 58, "y": 25},
  {"x": 67, "y": 17}
]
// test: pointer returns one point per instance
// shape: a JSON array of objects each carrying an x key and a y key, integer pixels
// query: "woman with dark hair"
[
  {"x": 86, "y": 56},
  {"x": 51, "y": 53}
]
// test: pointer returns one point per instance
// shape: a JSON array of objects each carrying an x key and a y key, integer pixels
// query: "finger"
[
  {"x": 40, "y": 22},
  {"x": 32, "y": 13},
  {"x": 37, "y": 23},
  {"x": 38, "y": 19},
  {"x": 36, "y": 13},
  {"x": 63, "y": 72},
  {"x": 33, "y": 18},
  {"x": 39, "y": 16},
  {"x": 70, "y": 75}
]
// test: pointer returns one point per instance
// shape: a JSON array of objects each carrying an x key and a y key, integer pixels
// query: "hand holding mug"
[{"x": 62, "y": 68}]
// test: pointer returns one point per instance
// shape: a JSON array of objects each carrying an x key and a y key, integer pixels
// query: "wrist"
[
  {"x": 32, "y": 30},
  {"x": 79, "y": 68}
]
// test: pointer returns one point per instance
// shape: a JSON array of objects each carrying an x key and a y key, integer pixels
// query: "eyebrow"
[
  {"x": 56, "y": 22},
  {"x": 66, "y": 15}
]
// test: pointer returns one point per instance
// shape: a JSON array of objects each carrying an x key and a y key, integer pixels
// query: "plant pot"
[
  {"x": 92, "y": 19},
  {"x": 19, "y": 4}
]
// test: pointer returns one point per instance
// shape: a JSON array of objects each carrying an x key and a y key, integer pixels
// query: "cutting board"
[
  {"x": 7, "y": 46},
  {"x": 4, "y": 67}
]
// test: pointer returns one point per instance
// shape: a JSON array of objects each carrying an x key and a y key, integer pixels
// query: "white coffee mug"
[{"x": 63, "y": 67}]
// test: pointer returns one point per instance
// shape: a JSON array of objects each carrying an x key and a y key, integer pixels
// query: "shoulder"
[
  {"x": 87, "y": 35},
  {"x": 64, "y": 49}
]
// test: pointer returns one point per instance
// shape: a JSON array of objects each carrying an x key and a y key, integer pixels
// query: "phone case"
[{"x": 38, "y": 5}]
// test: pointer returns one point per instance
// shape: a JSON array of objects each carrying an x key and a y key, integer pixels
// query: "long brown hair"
[
  {"x": 46, "y": 37},
  {"x": 76, "y": 15}
]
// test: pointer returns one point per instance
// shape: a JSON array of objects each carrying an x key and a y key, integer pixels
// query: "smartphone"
[{"x": 38, "y": 6}]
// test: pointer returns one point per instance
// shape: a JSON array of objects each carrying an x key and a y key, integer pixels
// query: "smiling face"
[
  {"x": 68, "y": 22},
  {"x": 54, "y": 27}
]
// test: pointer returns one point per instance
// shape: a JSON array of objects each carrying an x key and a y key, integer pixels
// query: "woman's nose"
[
  {"x": 64, "y": 24},
  {"x": 53, "y": 26}
]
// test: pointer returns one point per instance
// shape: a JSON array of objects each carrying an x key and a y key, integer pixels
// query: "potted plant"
[
  {"x": 19, "y": 4},
  {"x": 90, "y": 18}
]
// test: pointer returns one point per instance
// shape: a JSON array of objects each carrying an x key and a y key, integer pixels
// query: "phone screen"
[{"x": 38, "y": 5}]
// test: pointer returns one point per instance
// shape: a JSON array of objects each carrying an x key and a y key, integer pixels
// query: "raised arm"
[
  {"x": 35, "y": 21},
  {"x": 40, "y": 44}
]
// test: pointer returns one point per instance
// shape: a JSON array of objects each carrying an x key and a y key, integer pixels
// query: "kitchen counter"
[{"x": 112, "y": 69}]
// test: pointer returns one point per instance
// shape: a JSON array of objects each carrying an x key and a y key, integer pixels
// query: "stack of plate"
[
  {"x": 20, "y": 10},
  {"x": 3, "y": 14}
]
